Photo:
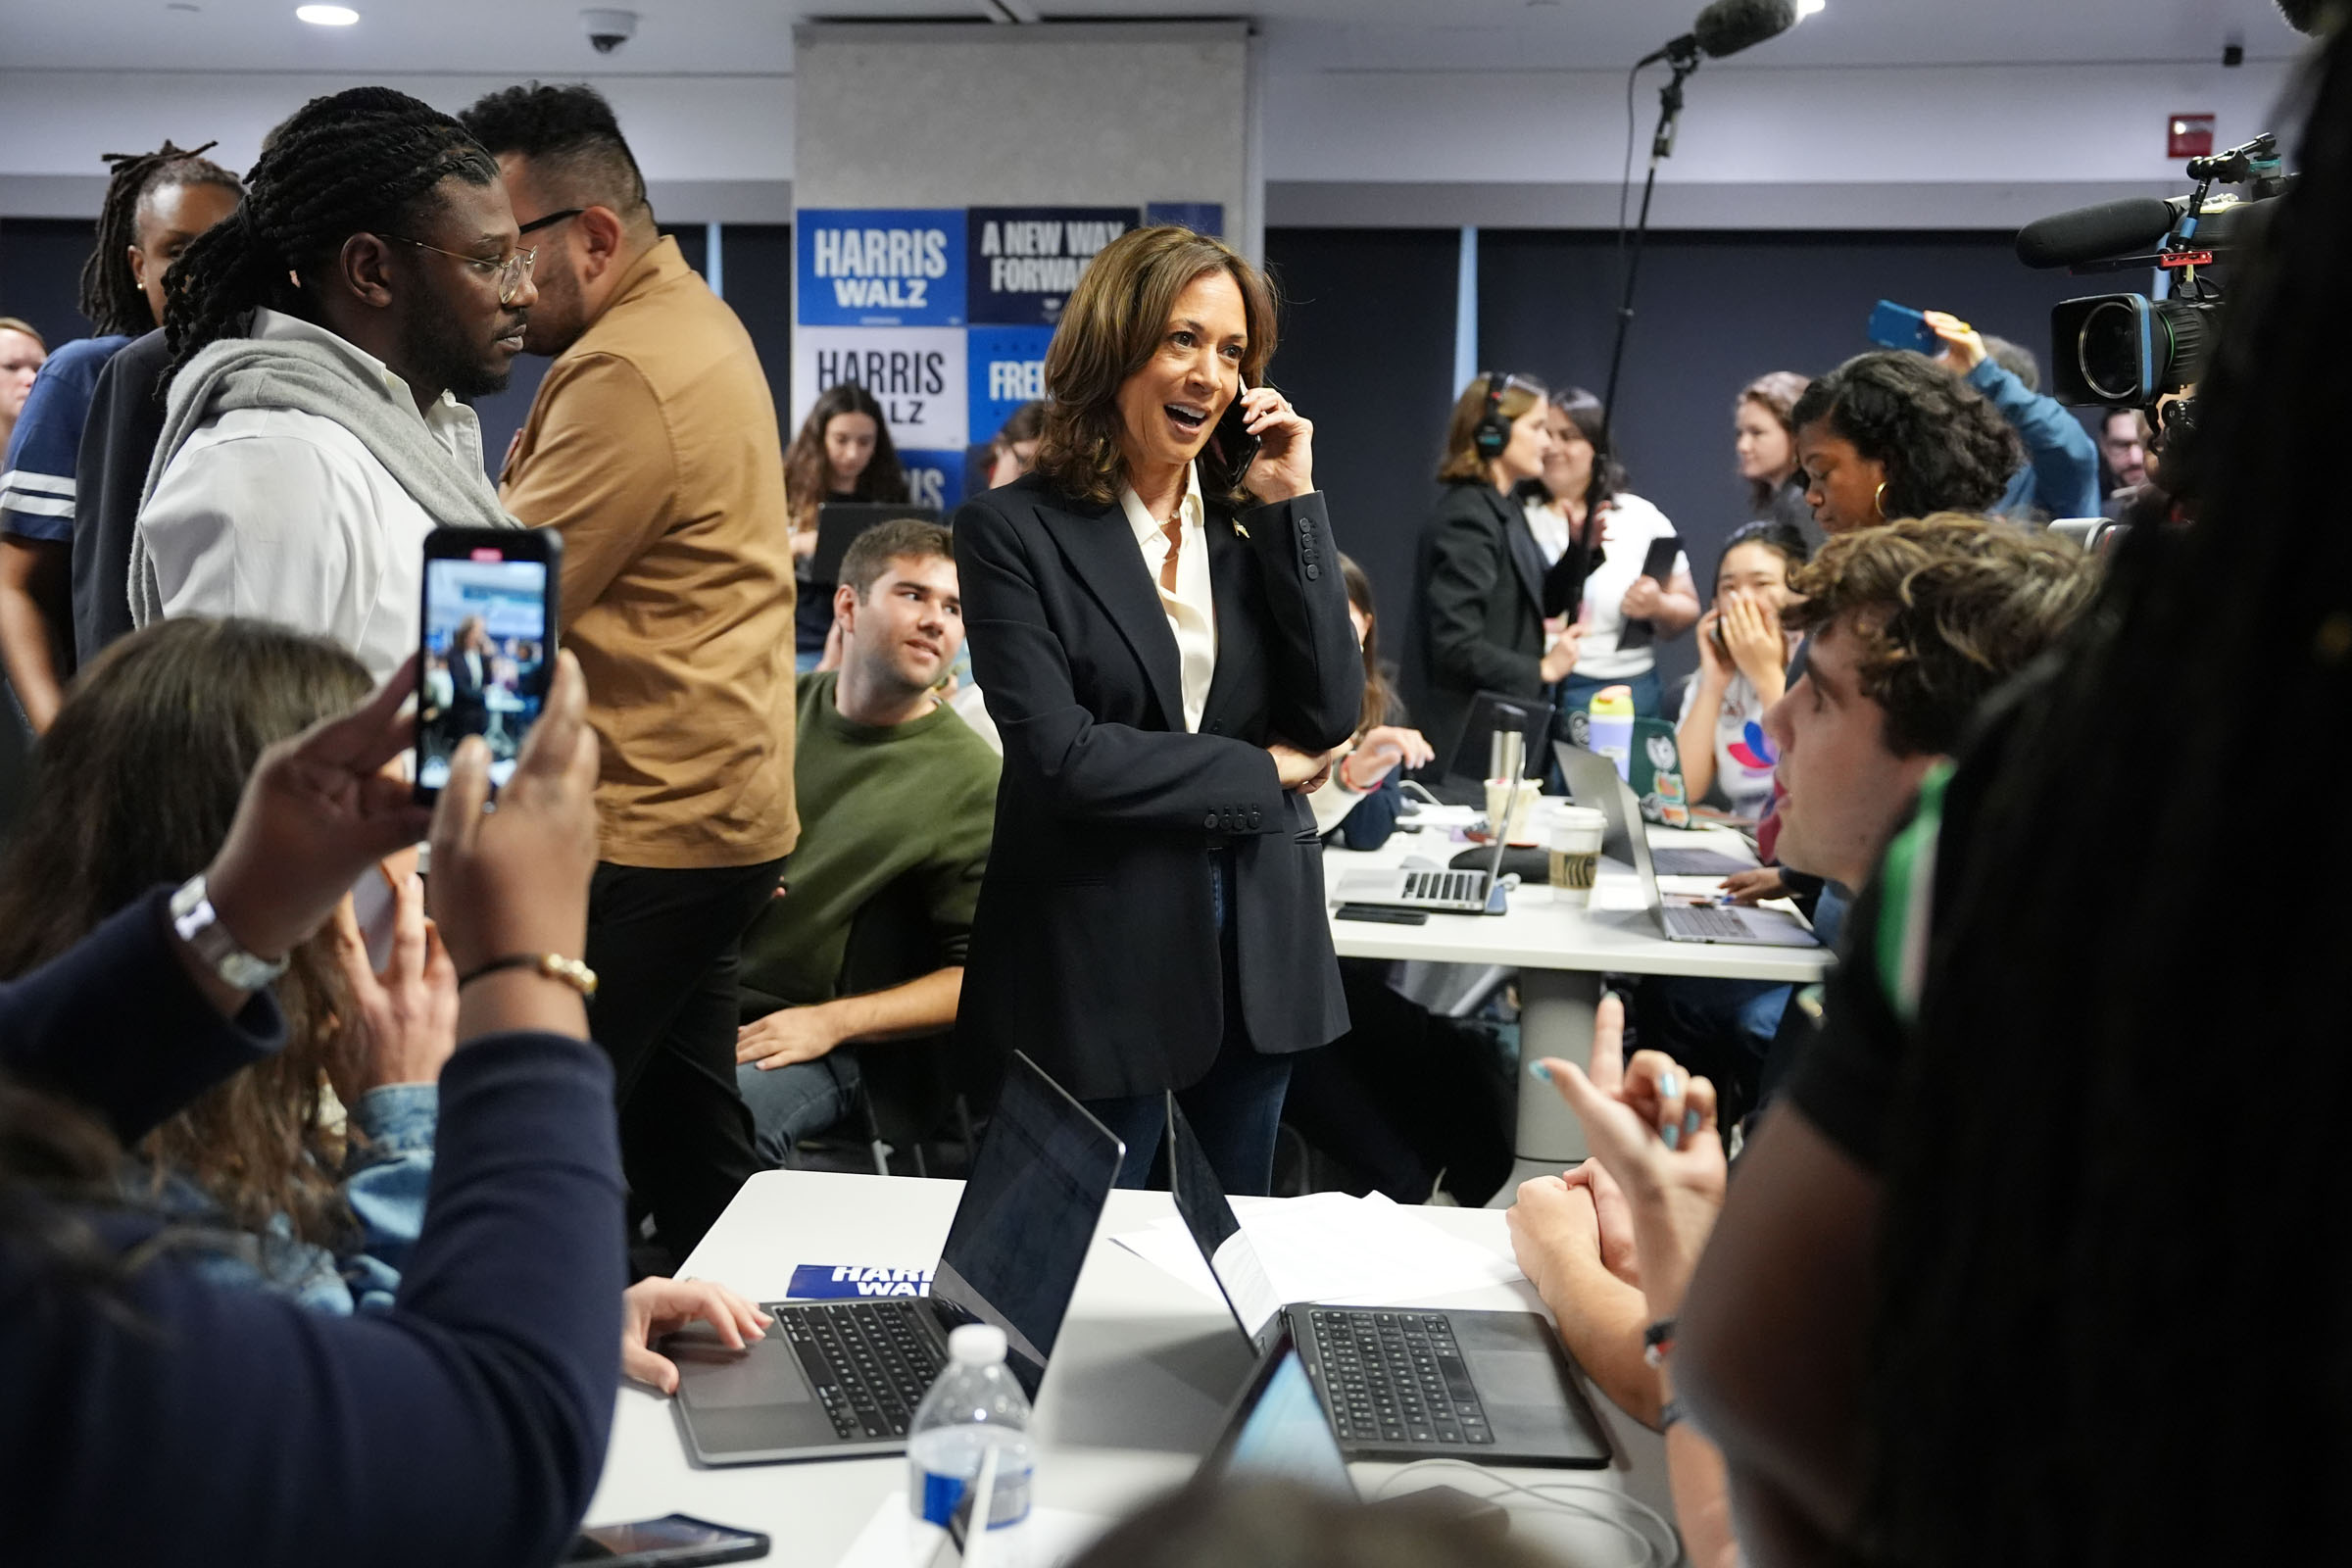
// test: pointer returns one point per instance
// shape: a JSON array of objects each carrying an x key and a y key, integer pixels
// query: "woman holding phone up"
[{"x": 1165, "y": 650}]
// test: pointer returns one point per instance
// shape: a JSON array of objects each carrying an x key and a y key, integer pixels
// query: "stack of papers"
[
  {"x": 1330, "y": 1246},
  {"x": 894, "y": 1539}
]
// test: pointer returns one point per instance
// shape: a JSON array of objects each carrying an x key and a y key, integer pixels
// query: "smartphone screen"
[
  {"x": 489, "y": 646},
  {"x": 677, "y": 1539}
]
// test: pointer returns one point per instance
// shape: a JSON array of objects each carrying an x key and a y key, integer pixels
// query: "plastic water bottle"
[
  {"x": 1612, "y": 712},
  {"x": 974, "y": 1408}
]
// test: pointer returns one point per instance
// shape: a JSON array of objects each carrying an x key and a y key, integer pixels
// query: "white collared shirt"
[
  {"x": 287, "y": 517},
  {"x": 1191, "y": 610}
]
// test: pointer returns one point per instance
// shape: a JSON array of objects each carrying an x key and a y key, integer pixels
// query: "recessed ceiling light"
[
  {"x": 1806, "y": 8},
  {"x": 326, "y": 16}
]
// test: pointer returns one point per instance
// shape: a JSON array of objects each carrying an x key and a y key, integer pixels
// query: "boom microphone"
[
  {"x": 1729, "y": 25},
  {"x": 2094, "y": 233}
]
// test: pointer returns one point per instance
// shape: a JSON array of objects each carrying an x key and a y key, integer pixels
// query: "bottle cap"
[
  {"x": 977, "y": 1344},
  {"x": 1613, "y": 702}
]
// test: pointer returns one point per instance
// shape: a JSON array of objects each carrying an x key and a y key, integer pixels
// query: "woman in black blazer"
[
  {"x": 1153, "y": 914},
  {"x": 1482, "y": 611}
]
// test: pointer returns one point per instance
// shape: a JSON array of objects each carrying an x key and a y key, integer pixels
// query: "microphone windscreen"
[
  {"x": 1729, "y": 25},
  {"x": 2093, "y": 233}
]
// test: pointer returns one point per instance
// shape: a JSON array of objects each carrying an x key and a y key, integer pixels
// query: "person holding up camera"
[{"x": 1161, "y": 633}]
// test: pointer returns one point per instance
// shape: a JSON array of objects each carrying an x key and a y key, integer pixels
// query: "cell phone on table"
[
  {"x": 1658, "y": 564},
  {"x": 673, "y": 1541},
  {"x": 488, "y": 645},
  {"x": 1230, "y": 448},
  {"x": 1381, "y": 914},
  {"x": 1899, "y": 326}
]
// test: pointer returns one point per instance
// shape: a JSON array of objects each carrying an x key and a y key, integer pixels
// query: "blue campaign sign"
[
  {"x": 880, "y": 267},
  {"x": 1202, "y": 218},
  {"x": 1007, "y": 370},
  {"x": 933, "y": 479},
  {"x": 1026, "y": 260}
]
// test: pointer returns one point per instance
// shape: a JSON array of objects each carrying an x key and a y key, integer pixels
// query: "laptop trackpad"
[
  {"x": 1526, "y": 1382},
  {"x": 712, "y": 1377}
]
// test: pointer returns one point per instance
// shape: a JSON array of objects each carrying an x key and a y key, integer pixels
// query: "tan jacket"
[{"x": 652, "y": 447}]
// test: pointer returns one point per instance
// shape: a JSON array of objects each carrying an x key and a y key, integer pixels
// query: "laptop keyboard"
[
  {"x": 1706, "y": 921},
  {"x": 871, "y": 1362},
  {"x": 1445, "y": 887},
  {"x": 1394, "y": 1378}
]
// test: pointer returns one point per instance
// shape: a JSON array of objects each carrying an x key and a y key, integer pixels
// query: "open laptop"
[
  {"x": 836, "y": 1379},
  {"x": 1585, "y": 772},
  {"x": 1399, "y": 1383},
  {"x": 1464, "y": 779},
  {"x": 839, "y": 522},
  {"x": 1593, "y": 779},
  {"x": 1447, "y": 892},
  {"x": 1276, "y": 1430}
]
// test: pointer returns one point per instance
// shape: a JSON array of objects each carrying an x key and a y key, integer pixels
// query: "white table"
[
  {"x": 1135, "y": 1394},
  {"x": 1562, "y": 952}
]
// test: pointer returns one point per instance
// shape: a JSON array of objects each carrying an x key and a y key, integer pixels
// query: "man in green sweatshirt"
[{"x": 898, "y": 802}]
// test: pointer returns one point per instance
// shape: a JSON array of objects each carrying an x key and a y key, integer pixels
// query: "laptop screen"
[
  {"x": 1278, "y": 1432},
  {"x": 1201, "y": 1200},
  {"x": 1027, "y": 1218}
]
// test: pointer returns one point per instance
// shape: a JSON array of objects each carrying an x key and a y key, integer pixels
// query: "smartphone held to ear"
[
  {"x": 1230, "y": 451},
  {"x": 488, "y": 645}
]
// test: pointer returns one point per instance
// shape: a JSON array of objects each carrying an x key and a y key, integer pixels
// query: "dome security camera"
[{"x": 607, "y": 31}]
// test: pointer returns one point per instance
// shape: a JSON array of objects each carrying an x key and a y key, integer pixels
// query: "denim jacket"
[{"x": 385, "y": 1174}]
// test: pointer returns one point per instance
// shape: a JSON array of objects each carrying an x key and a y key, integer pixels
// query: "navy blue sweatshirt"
[{"x": 217, "y": 1426}]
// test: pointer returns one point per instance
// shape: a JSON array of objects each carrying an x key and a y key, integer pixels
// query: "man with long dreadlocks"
[
  {"x": 156, "y": 205},
  {"x": 321, "y": 338}
]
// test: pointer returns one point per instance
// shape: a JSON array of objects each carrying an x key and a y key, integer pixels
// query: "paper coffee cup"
[{"x": 1576, "y": 835}]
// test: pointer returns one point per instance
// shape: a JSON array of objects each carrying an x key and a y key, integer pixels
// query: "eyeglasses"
[
  {"x": 511, "y": 272},
  {"x": 551, "y": 220}
]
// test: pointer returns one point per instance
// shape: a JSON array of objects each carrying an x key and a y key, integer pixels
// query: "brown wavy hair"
[
  {"x": 806, "y": 467},
  {"x": 1379, "y": 701},
  {"x": 1461, "y": 461},
  {"x": 1943, "y": 609},
  {"x": 135, "y": 785},
  {"x": 1109, "y": 330}
]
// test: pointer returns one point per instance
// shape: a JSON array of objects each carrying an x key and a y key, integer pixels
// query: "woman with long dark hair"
[
  {"x": 1894, "y": 434},
  {"x": 843, "y": 453},
  {"x": 1161, "y": 633},
  {"x": 1617, "y": 533},
  {"x": 2052, "y": 1215},
  {"x": 327, "y": 1216}
]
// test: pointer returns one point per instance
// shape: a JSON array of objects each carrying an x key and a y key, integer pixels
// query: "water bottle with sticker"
[{"x": 976, "y": 1406}]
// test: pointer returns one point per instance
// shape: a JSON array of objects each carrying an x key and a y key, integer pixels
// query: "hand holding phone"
[
  {"x": 1899, "y": 326},
  {"x": 488, "y": 645}
]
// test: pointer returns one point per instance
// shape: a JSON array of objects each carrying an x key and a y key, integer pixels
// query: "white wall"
[
  {"x": 1956, "y": 146},
  {"x": 695, "y": 137}
]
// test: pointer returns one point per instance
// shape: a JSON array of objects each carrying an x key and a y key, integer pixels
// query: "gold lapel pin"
[{"x": 1239, "y": 529}]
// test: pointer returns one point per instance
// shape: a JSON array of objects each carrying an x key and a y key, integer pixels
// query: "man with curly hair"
[{"x": 1912, "y": 625}]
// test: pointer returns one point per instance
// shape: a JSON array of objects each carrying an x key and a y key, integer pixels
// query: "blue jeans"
[
  {"x": 1234, "y": 1110},
  {"x": 790, "y": 1103}
]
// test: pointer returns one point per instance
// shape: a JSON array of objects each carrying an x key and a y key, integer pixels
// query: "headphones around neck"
[{"x": 1494, "y": 431}]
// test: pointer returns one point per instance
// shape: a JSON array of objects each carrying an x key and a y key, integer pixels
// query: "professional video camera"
[{"x": 2128, "y": 350}]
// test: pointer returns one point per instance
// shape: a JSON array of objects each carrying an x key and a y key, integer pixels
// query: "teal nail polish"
[
  {"x": 1669, "y": 1086},
  {"x": 1672, "y": 1134},
  {"x": 1537, "y": 1070},
  {"x": 1689, "y": 1123}
]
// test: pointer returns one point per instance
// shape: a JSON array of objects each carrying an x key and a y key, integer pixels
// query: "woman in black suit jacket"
[
  {"x": 1482, "y": 606},
  {"x": 1152, "y": 914}
]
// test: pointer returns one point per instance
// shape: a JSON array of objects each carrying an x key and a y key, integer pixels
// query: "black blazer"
[
  {"x": 1480, "y": 608},
  {"x": 1095, "y": 944}
]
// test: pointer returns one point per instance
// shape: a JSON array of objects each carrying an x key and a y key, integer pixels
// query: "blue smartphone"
[{"x": 1899, "y": 326}]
